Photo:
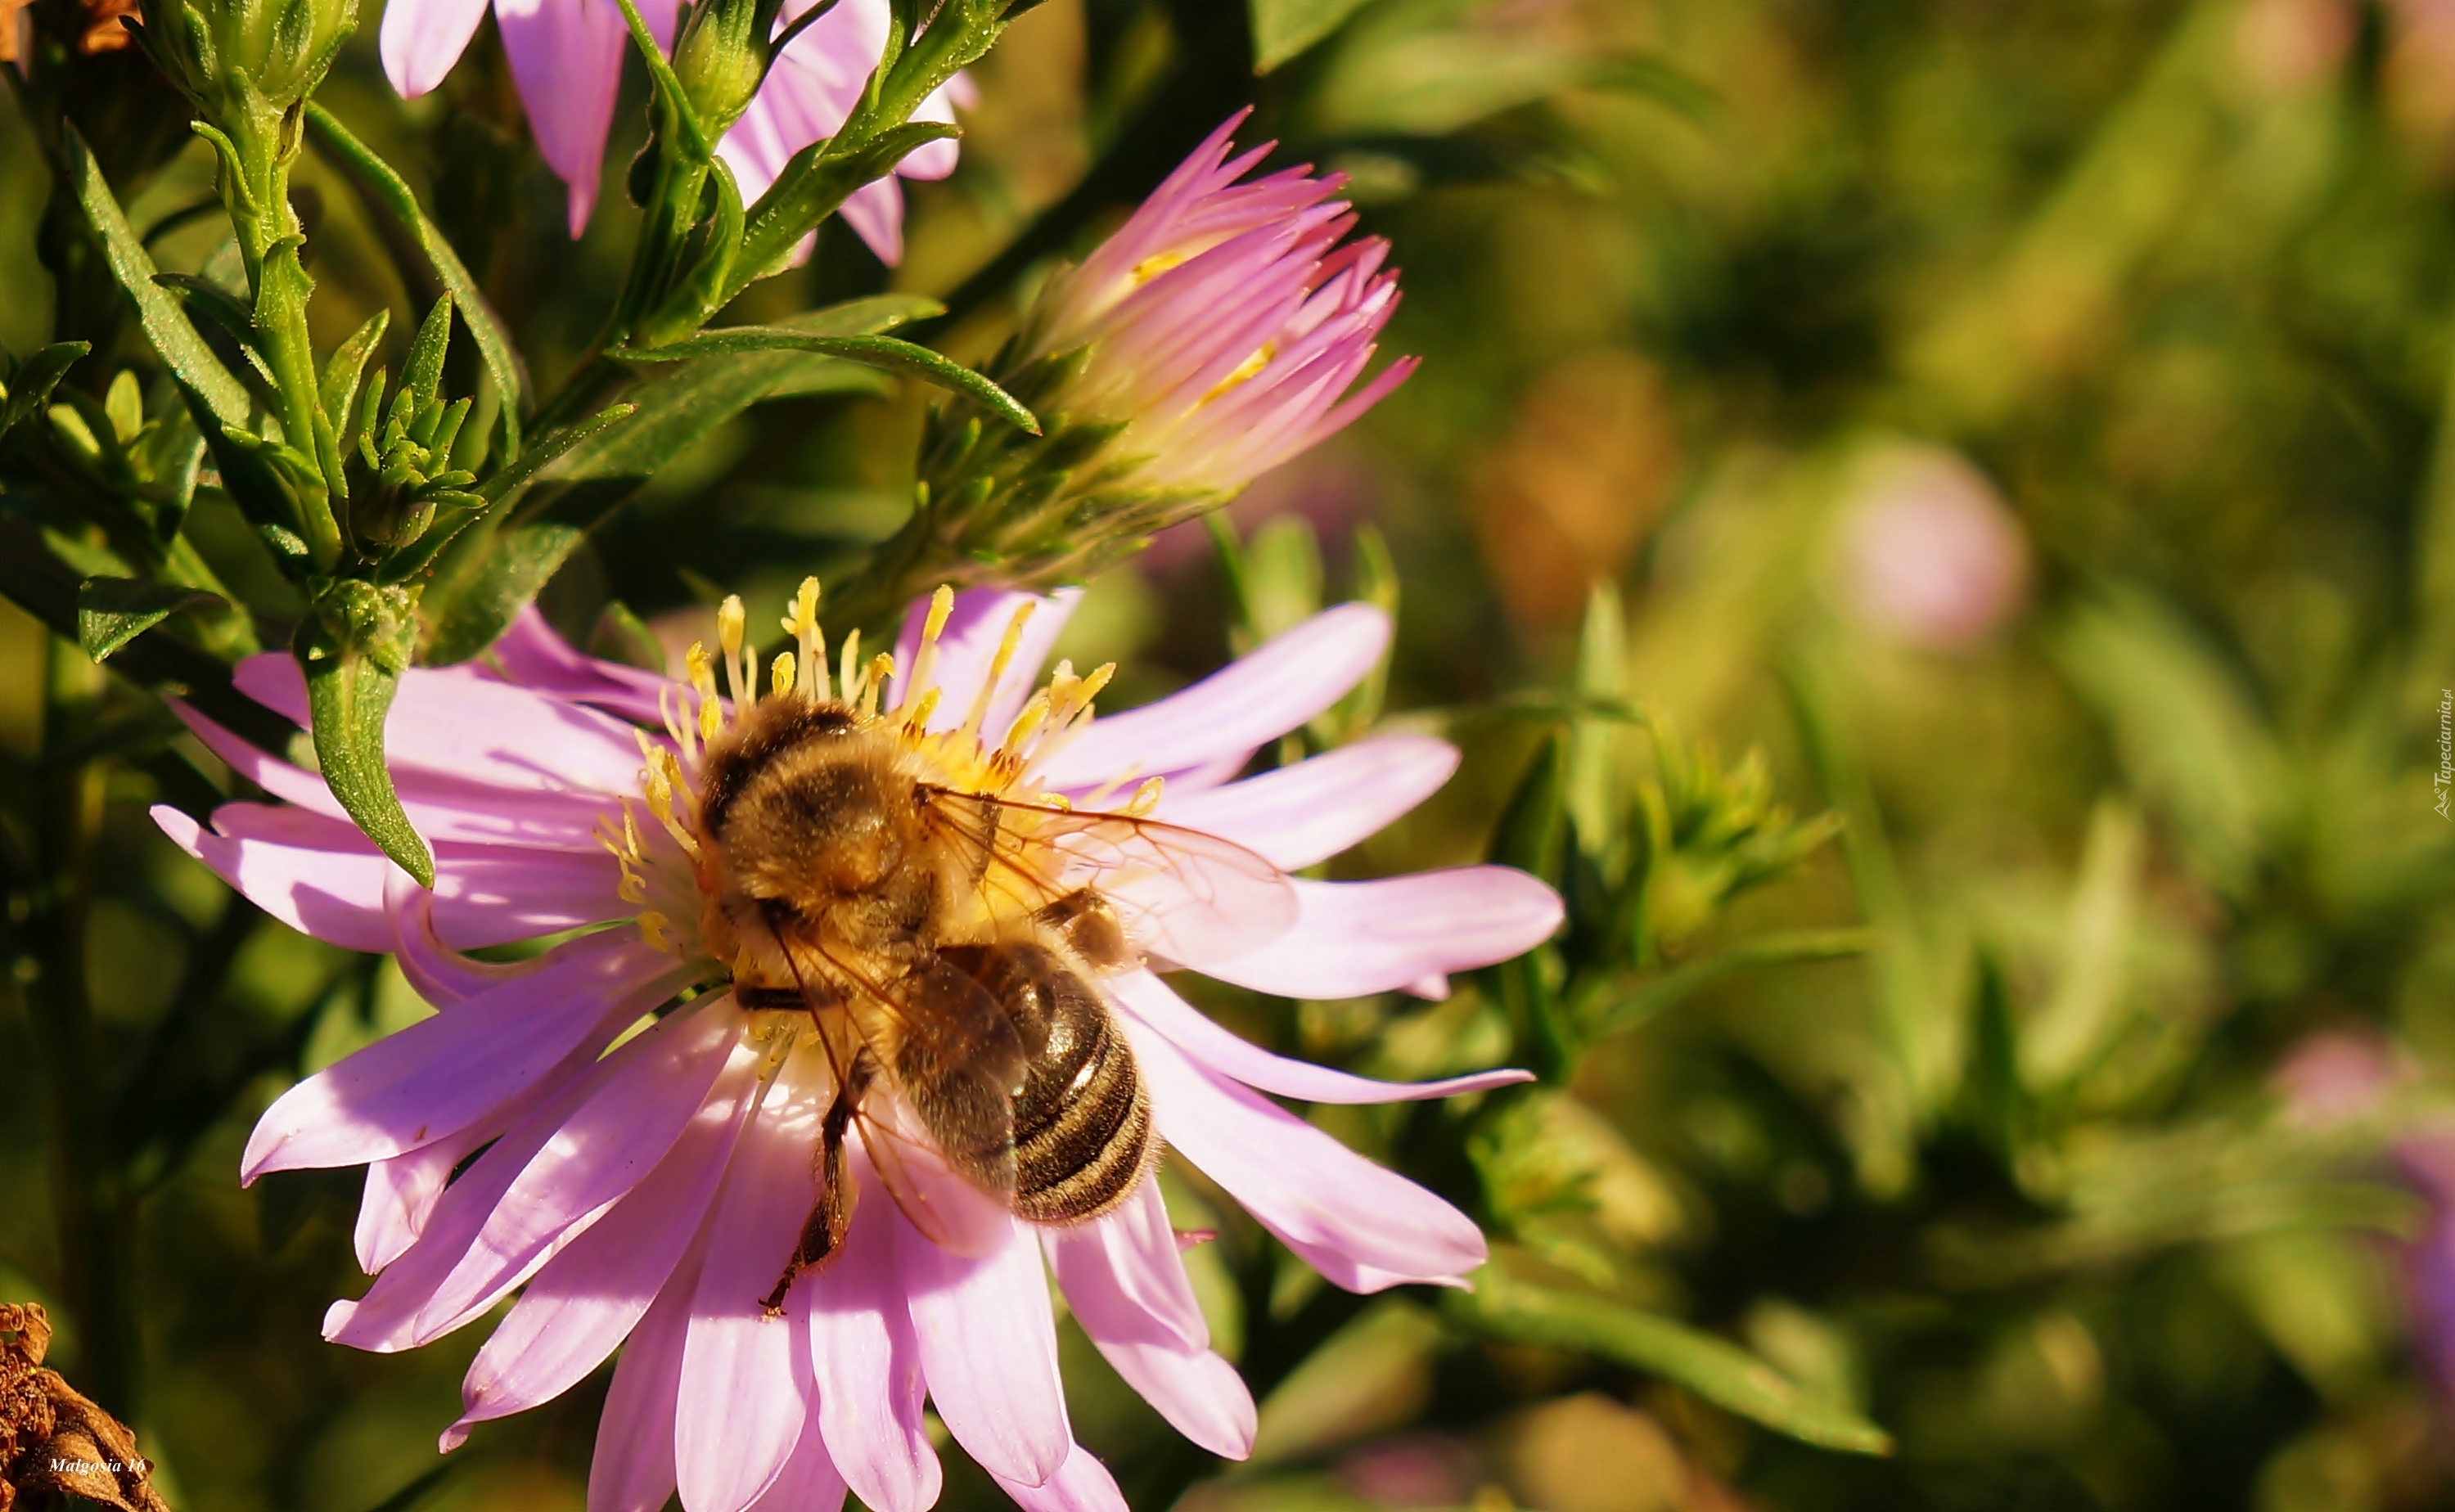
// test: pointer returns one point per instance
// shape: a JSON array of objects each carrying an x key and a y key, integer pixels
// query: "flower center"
[{"x": 668, "y": 873}]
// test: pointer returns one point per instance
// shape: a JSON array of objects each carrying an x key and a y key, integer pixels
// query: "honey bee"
[{"x": 947, "y": 945}]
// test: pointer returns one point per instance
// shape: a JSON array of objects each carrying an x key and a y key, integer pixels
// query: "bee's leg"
[{"x": 822, "y": 1232}]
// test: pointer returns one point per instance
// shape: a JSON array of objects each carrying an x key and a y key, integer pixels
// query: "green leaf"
[
  {"x": 221, "y": 307},
  {"x": 872, "y": 315},
  {"x": 1626, "y": 1010},
  {"x": 888, "y": 353},
  {"x": 165, "y": 324},
  {"x": 1502, "y": 1307},
  {"x": 353, "y": 648},
  {"x": 113, "y": 611},
  {"x": 343, "y": 371},
  {"x": 377, "y": 178},
  {"x": 1283, "y": 28},
  {"x": 495, "y": 587},
  {"x": 808, "y": 191},
  {"x": 35, "y": 377},
  {"x": 422, "y": 381},
  {"x": 676, "y": 413},
  {"x": 1532, "y": 836}
]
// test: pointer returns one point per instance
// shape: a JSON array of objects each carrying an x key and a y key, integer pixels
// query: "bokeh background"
[{"x": 2016, "y": 429}]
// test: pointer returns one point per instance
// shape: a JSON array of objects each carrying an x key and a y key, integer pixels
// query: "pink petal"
[
  {"x": 1359, "y": 938},
  {"x": 746, "y": 1383},
  {"x": 566, "y": 58},
  {"x": 1245, "y": 705},
  {"x": 633, "y": 1469},
  {"x": 1311, "y": 810},
  {"x": 808, "y": 1483},
  {"x": 1149, "y": 998},
  {"x": 874, "y": 212},
  {"x": 988, "y": 1348},
  {"x": 457, "y": 722},
  {"x": 403, "y": 1190},
  {"x": 423, "y": 38},
  {"x": 1125, "y": 1279},
  {"x": 440, "y": 975},
  {"x": 333, "y": 890},
  {"x": 867, "y": 1362},
  {"x": 1082, "y": 1484},
  {"x": 650, "y": 1092},
  {"x": 322, "y": 878},
  {"x": 529, "y": 654},
  {"x": 441, "y": 1074},
  {"x": 581, "y": 1305},
  {"x": 1364, "y": 1228},
  {"x": 385, "y": 1319},
  {"x": 969, "y": 645}
]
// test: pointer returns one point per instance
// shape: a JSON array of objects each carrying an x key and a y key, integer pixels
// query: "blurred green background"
[{"x": 2023, "y": 426}]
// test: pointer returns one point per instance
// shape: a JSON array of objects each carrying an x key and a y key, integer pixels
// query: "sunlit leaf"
[
  {"x": 388, "y": 188},
  {"x": 113, "y": 611},
  {"x": 1502, "y": 1306},
  {"x": 887, "y": 352},
  {"x": 354, "y": 650}
]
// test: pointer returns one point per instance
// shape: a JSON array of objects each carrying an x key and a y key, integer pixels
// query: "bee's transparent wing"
[
  {"x": 1182, "y": 895},
  {"x": 948, "y": 1048}
]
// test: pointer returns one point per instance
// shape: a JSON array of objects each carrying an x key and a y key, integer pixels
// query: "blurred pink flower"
[
  {"x": 812, "y": 86},
  {"x": 1930, "y": 557},
  {"x": 1223, "y": 322},
  {"x": 566, "y": 58},
  {"x": 647, "y": 1154}
]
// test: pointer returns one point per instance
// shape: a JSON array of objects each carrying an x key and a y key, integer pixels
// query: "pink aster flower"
[
  {"x": 1224, "y": 321},
  {"x": 566, "y": 58},
  {"x": 647, "y": 1140}
]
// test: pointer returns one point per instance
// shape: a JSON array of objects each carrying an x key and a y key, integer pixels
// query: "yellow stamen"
[
  {"x": 873, "y": 681},
  {"x": 924, "y": 663},
  {"x": 803, "y": 627},
  {"x": 1151, "y": 267},
  {"x": 711, "y": 721},
  {"x": 654, "y": 931},
  {"x": 848, "y": 670},
  {"x": 918, "y": 721},
  {"x": 731, "y": 621},
  {"x": 1245, "y": 369},
  {"x": 780, "y": 676},
  {"x": 997, "y": 668},
  {"x": 1025, "y": 723},
  {"x": 1145, "y": 797}
]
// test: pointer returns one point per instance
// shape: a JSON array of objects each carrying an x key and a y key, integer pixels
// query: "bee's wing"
[
  {"x": 1182, "y": 895},
  {"x": 948, "y": 1046},
  {"x": 951, "y": 1214}
]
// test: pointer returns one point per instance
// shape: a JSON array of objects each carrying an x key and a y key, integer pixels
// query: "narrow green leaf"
[
  {"x": 887, "y": 352},
  {"x": 808, "y": 191},
  {"x": 344, "y": 369},
  {"x": 1284, "y": 28},
  {"x": 1531, "y": 837},
  {"x": 165, "y": 324},
  {"x": 423, "y": 379},
  {"x": 30, "y": 386},
  {"x": 873, "y": 315},
  {"x": 113, "y": 611},
  {"x": 1504, "y": 1307},
  {"x": 377, "y": 178},
  {"x": 509, "y": 576},
  {"x": 353, "y": 648},
  {"x": 1615, "y": 1012},
  {"x": 507, "y": 484},
  {"x": 676, "y": 412},
  {"x": 223, "y": 308}
]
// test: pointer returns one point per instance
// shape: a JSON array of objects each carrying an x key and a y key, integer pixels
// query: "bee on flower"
[{"x": 865, "y": 1039}]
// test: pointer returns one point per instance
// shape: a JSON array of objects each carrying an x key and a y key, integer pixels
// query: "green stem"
[
  {"x": 258, "y": 145},
  {"x": 92, "y": 1209}
]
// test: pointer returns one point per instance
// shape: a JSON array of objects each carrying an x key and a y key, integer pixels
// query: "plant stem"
[{"x": 91, "y": 1208}]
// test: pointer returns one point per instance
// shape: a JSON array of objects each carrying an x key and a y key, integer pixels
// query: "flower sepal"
[{"x": 354, "y": 645}]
